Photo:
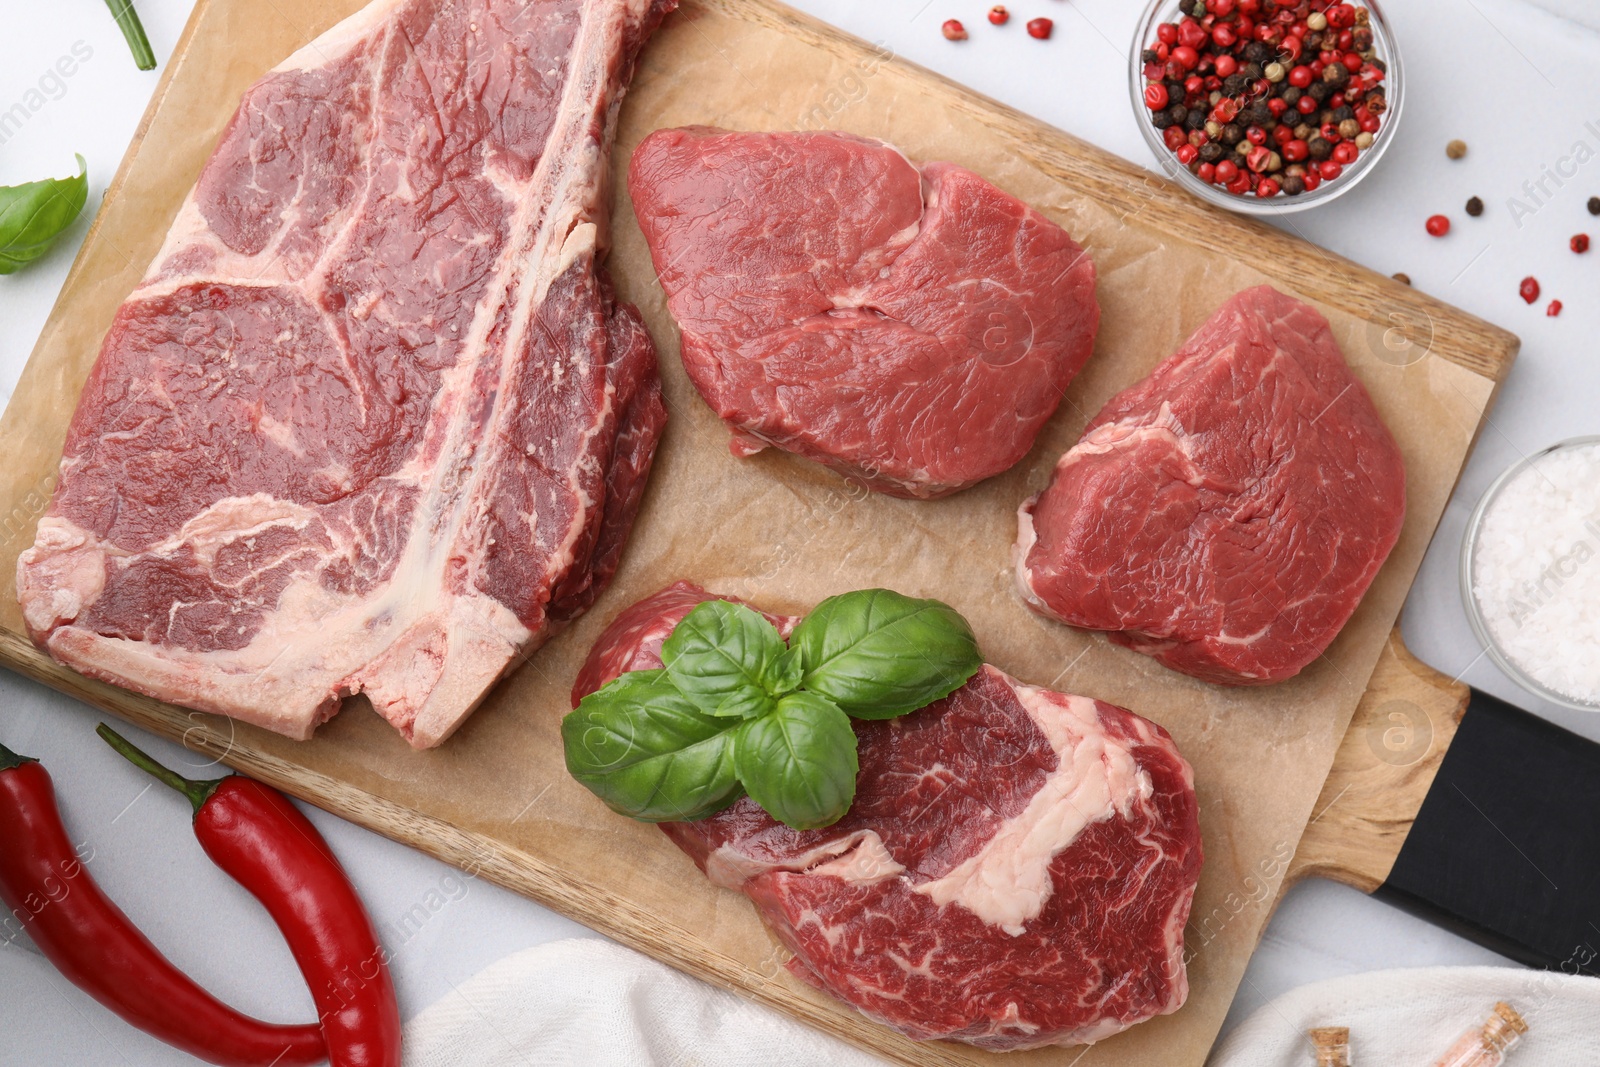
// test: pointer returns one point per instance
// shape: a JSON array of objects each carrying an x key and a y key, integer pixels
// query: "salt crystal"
[{"x": 1536, "y": 571}]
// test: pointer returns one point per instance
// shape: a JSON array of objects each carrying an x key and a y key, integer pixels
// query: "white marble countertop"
[{"x": 1520, "y": 85}]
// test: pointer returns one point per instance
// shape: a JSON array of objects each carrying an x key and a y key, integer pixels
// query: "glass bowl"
[
  {"x": 1159, "y": 11},
  {"x": 1469, "y": 551}
]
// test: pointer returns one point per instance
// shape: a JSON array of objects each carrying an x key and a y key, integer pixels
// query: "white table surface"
[{"x": 1518, "y": 84}]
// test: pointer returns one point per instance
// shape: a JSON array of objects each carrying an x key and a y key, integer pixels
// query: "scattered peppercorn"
[
  {"x": 1293, "y": 87},
  {"x": 1455, "y": 149},
  {"x": 1040, "y": 28},
  {"x": 1529, "y": 289},
  {"x": 999, "y": 15},
  {"x": 1403, "y": 278},
  {"x": 1554, "y": 309},
  {"x": 953, "y": 30},
  {"x": 1438, "y": 225},
  {"x": 1580, "y": 243},
  {"x": 1594, "y": 205},
  {"x": 1475, "y": 207}
]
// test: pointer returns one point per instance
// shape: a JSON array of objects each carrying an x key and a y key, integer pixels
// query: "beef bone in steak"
[
  {"x": 1016, "y": 870},
  {"x": 1226, "y": 514},
  {"x": 912, "y": 329},
  {"x": 373, "y": 421}
]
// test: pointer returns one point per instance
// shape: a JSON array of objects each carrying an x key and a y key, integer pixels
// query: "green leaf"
[
  {"x": 878, "y": 654},
  {"x": 799, "y": 763},
  {"x": 744, "y": 703},
  {"x": 33, "y": 215},
  {"x": 649, "y": 753},
  {"x": 784, "y": 675},
  {"x": 721, "y": 649}
]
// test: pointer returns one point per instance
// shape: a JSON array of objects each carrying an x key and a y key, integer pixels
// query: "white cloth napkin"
[
  {"x": 590, "y": 1003},
  {"x": 1410, "y": 1018}
]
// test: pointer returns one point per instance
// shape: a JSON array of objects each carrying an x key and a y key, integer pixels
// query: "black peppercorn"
[
  {"x": 1291, "y": 96},
  {"x": 1294, "y": 185},
  {"x": 1313, "y": 41},
  {"x": 1160, "y": 120},
  {"x": 1257, "y": 114},
  {"x": 1149, "y": 55},
  {"x": 1232, "y": 134},
  {"x": 1211, "y": 152},
  {"x": 1235, "y": 85},
  {"x": 1257, "y": 52},
  {"x": 1252, "y": 71},
  {"x": 1320, "y": 90},
  {"x": 1594, "y": 205},
  {"x": 1383, "y": 66},
  {"x": 1342, "y": 113},
  {"x": 1319, "y": 149},
  {"x": 1335, "y": 74},
  {"x": 1178, "y": 114},
  {"x": 1475, "y": 207},
  {"x": 1195, "y": 121}
]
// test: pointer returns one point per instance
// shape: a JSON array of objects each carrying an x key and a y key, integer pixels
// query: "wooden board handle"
[{"x": 1382, "y": 772}]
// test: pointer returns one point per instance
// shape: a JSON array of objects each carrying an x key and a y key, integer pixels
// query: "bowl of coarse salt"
[{"x": 1530, "y": 573}]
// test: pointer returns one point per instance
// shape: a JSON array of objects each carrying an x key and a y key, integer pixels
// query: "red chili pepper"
[
  {"x": 98, "y": 949},
  {"x": 266, "y": 845}
]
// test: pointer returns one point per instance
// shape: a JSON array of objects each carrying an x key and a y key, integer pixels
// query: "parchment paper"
[{"x": 785, "y": 533}]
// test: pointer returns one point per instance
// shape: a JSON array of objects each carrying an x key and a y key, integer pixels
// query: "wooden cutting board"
[{"x": 496, "y": 800}]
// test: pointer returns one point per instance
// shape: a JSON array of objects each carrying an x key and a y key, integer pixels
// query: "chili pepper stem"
[
  {"x": 133, "y": 31},
  {"x": 197, "y": 792},
  {"x": 9, "y": 759}
]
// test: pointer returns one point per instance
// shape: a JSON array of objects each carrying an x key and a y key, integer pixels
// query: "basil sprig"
[
  {"x": 33, "y": 215},
  {"x": 735, "y": 710}
]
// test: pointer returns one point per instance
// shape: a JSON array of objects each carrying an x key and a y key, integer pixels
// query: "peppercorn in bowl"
[{"x": 1266, "y": 106}]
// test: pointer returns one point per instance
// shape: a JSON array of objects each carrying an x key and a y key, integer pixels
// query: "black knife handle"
[{"x": 1505, "y": 850}]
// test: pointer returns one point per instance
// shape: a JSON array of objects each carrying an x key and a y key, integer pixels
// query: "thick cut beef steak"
[
  {"x": 1016, "y": 870},
  {"x": 1226, "y": 514},
  {"x": 373, "y": 421},
  {"x": 910, "y": 328}
]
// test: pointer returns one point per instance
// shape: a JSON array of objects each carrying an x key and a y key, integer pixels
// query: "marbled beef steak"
[
  {"x": 1016, "y": 870},
  {"x": 909, "y": 327},
  {"x": 1227, "y": 513},
  {"x": 373, "y": 421}
]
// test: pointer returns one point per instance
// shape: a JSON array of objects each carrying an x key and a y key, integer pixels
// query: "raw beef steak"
[
  {"x": 911, "y": 329},
  {"x": 1226, "y": 514},
  {"x": 373, "y": 421},
  {"x": 1016, "y": 870}
]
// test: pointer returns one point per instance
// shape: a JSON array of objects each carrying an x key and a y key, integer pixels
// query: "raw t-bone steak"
[
  {"x": 1016, "y": 870},
  {"x": 373, "y": 421},
  {"x": 909, "y": 327},
  {"x": 1227, "y": 513}
]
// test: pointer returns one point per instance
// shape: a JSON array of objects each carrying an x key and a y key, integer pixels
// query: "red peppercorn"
[
  {"x": 953, "y": 30},
  {"x": 1296, "y": 151},
  {"x": 1227, "y": 66},
  {"x": 1330, "y": 132},
  {"x": 1175, "y": 137},
  {"x": 1190, "y": 33},
  {"x": 1369, "y": 124},
  {"x": 1207, "y": 173},
  {"x": 1156, "y": 97},
  {"x": 1307, "y": 105},
  {"x": 1259, "y": 158},
  {"x": 1041, "y": 28},
  {"x": 1312, "y": 179},
  {"x": 1227, "y": 171},
  {"x": 1580, "y": 243},
  {"x": 1554, "y": 309},
  {"x": 1438, "y": 225},
  {"x": 1300, "y": 77},
  {"x": 1220, "y": 8},
  {"x": 1346, "y": 153},
  {"x": 1188, "y": 154},
  {"x": 1277, "y": 105},
  {"x": 1167, "y": 33},
  {"x": 1352, "y": 62},
  {"x": 1256, "y": 135},
  {"x": 1224, "y": 35},
  {"x": 1183, "y": 55},
  {"x": 999, "y": 15},
  {"x": 1268, "y": 187},
  {"x": 1293, "y": 45},
  {"x": 1194, "y": 84},
  {"x": 1529, "y": 289},
  {"x": 1330, "y": 169}
]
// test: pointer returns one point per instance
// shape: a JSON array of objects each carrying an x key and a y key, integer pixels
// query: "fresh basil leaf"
[
  {"x": 648, "y": 752},
  {"x": 799, "y": 763},
  {"x": 785, "y": 673},
  {"x": 719, "y": 649},
  {"x": 33, "y": 215},
  {"x": 878, "y": 654},
  {"x": 746, "y": 703}
]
